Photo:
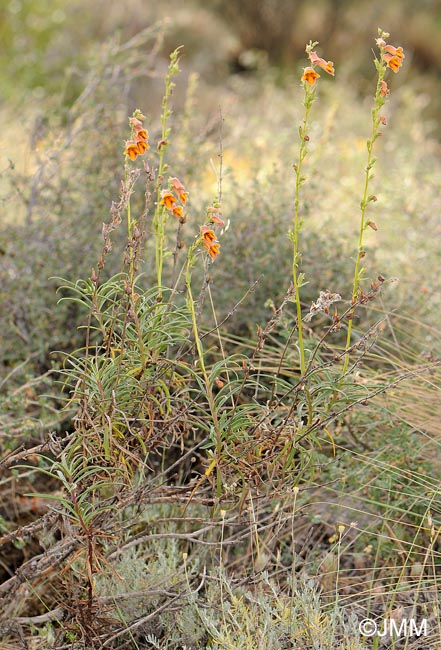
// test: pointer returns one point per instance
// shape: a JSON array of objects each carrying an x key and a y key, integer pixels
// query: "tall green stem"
[
  {"x": 298, "y": 277},
  {"x": 160, "y": 216},
  {"x": 366, "y": 199},
  {"x": 130, "y": 239}
]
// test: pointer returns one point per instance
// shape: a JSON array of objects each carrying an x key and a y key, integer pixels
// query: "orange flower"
[
  {"x": 215, "y": 216},
  {"x": 131, "y": 150},
  {"x": 179, "y": 189},
  {"x": 137, "y": 124},
  {"x": 394, "y": 57},
  {"x": 395, "y": 51},
  {"x": 208, "y": 234},
  {"x": 168, "y": 199},
  {"x": 217, "y": 219},
  {"x": 214, "y": 251},
  {"x": 141, "y": 134},
  {"x": 209, "y": 241},
  {"x": 176, "y": 184},
  {"x": 384, "y": 90},
  {"x": 142, "y": 146},
  {"x": 328, "y": 66},
  {"x": 139, "y": 145},
  {"x": 178, "y": 211},
  {"x": 310, "y": 75},
  {"x": 393, "y": 62}
]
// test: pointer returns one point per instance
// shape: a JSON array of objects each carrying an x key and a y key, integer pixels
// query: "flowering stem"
[
  {"x": 129, "y": 239},
  {"x": 366, "y": 199},
  {"x": 160, "y": 216},
  {"x": 300, "y": 179}
]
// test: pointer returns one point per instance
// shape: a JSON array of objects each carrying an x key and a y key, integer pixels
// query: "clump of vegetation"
[{"x": 195, "y": 483}]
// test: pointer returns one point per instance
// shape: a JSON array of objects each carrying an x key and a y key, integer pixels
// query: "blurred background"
[
  {"x": 71, "y": 71},
  {"x": 45, "y": 44}
]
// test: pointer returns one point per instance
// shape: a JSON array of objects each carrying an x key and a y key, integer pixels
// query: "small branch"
[{"x": 54, "y": 615}]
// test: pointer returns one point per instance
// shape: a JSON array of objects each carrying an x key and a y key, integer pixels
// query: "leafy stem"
[
  {"x": 379, "y": 101},
  {"x": 300, "y": 179},
  {"x": 160, "y": 216}
]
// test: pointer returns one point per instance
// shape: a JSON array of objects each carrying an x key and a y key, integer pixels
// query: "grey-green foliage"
[
  {"x": 147, "y": 574},
  {"x": 266, "y": 618}
]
